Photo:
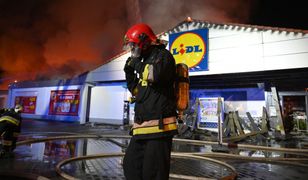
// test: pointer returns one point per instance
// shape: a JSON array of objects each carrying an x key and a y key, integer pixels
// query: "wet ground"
[{"x": 39, "y": 159}]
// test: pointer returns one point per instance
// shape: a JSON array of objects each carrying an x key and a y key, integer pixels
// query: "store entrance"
[{"x": 294, "y": 109}]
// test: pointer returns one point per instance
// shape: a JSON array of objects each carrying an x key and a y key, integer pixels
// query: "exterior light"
[{"x": 188, "y": 19}]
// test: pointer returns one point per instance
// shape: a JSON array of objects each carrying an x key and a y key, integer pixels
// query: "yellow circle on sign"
[{"x": 188, "y": 48}]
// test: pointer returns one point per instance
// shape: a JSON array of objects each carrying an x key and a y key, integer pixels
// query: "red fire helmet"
[{"x": 140, "y": 34}]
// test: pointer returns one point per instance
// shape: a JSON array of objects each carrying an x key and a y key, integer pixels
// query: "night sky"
[
  {"x": 53, "y": 39},
  {"x": 285, "y": 13}
]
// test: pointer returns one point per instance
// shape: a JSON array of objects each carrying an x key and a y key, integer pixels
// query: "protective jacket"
[
  {"x": 155, "y": 105},
  {"x": 10, "y": 126},
  {"x": 10, "y": 116}
]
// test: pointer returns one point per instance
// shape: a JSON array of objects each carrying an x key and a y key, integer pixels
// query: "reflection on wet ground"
[{"x": 41, "y": 158}]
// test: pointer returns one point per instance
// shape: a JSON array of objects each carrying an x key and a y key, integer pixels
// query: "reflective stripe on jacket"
[
  {"x": 10, "y": 119},
  {"x": 152, "y": 126}
]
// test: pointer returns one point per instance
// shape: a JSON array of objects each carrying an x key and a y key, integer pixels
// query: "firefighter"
[
  {"x": 150, "y": 74},
  {"x": 10, "y": 124}
]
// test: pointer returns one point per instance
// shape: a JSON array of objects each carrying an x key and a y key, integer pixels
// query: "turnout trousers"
[{"x": 147, "y": 159}]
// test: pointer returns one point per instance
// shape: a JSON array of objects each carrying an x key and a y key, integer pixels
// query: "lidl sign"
[{"x": 191, "y": 48}]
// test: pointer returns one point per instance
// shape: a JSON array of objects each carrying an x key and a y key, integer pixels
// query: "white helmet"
[{"x": 18, "y": 108}]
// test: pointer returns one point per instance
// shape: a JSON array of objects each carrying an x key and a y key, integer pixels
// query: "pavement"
[{"x": 38, "y": 160}]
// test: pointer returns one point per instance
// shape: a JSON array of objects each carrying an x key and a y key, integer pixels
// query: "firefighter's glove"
[
  {"x": 135, "y": 63},
  {"x": 128, "y": 69}
]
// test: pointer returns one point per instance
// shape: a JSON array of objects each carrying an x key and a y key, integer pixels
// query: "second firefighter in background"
[
  {"x": 150, "y": 75},
  {"x": 10, "y": 125}
]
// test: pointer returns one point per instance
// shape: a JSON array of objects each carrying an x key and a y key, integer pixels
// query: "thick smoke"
[
  {"x": 44, "y": 39},
  {"x": 57, "y": 39},
  {"x": 163, "y": 15}
]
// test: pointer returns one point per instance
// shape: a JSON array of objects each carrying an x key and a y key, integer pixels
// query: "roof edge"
[{"x": 190, "y": 20}]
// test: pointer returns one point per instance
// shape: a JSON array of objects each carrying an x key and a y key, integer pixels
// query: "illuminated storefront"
[{"x": 237, "y": 62}]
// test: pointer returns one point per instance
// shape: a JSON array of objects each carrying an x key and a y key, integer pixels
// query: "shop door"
[
  {"x": 106, "y": 104},
  {"x": 294, "y": 107}
]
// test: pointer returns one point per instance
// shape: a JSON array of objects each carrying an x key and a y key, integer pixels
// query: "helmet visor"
[
  {"x": 133, "y": 48},
  {"x": 129, "y": 46}
]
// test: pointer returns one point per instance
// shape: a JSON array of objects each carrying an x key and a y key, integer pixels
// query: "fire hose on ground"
[
  {"x": 199, "y": 156},
  {"x": 194, "y": 142},
  {"x": 178, "y": 155}
]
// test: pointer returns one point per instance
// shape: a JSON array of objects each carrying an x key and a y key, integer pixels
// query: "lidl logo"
[{"x": 190, "y": 48}]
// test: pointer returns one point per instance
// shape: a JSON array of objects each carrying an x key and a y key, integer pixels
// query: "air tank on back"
[{"x": 182, "y": 88}]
